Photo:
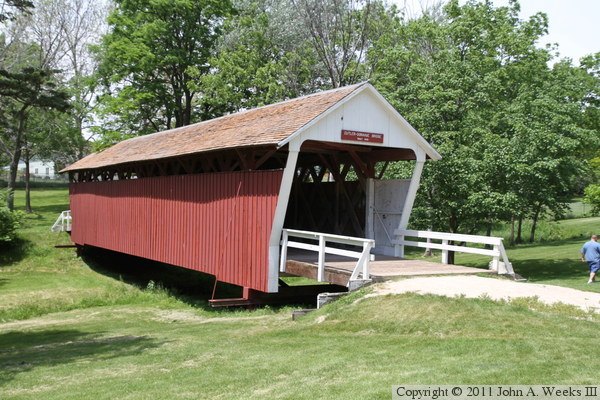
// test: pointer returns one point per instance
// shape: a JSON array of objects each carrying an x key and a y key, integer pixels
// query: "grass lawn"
[{"x": 70, "y": 329}]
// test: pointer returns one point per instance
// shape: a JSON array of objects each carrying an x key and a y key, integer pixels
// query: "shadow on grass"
[
  {"x": 189, "y": 286},
  {"x": 541, "y": 269},
  {"x": 15, "y": 251},
  {"x": 24, "y": 351}
]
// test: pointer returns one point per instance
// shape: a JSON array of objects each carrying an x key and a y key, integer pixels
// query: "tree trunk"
[
  {"x": 488, "y": 231},
  {"x": 428, "y": 252},
  {"x": 12, "y": 179},
  {"x": 453, "y": 229},
  {"x": 511, "y": 240},
  {"x": 534, "y": 224},
  {"x": 519, "y": 230},
  {"x": 14, "y": 162},
  {"x": 27, "y": 177},
  {"x": 450, "y": 255},
  {"x": 187, "y": 116}
]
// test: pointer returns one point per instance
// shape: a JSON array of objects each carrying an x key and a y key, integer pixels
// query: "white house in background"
[{"x": 37, "y": 168}]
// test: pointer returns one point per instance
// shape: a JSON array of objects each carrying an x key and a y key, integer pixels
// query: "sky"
[{"x": 573, "y": 24}]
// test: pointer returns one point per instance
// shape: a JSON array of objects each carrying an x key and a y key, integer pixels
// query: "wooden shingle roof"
[{"x": 267, "y": 125}]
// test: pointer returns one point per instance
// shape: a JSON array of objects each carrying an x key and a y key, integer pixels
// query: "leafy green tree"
[
  {"x": 146, "y": 60},
  {"x": 258, "y": 61},
  {"x": 21, "y": 92},
  {"x": 474, "y": 84},
  {"x": 592, "y": 197},
  {"x": 552, "y": 138},
  {"x": 33, "y": 49}
]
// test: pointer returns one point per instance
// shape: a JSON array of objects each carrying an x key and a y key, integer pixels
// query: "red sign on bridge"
[{"x": 362, "y": 136}]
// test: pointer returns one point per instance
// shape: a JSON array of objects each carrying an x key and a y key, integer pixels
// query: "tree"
[
  {"x": 474, "y": 84},
  {"x": 56, "y": 35},
  {"x": 260, "y": 59},
  {"x": 342, "y": 32},
  {"x": 552, "y": 137},
  {"x": 146, "y": 59},
  {"x": 9, "y": 9},
  {"x": 65, "y": 30},
  {"x": 22, "y": 91}
]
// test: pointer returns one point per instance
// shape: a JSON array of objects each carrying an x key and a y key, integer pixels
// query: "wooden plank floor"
[{"x": 383, "y": 268}]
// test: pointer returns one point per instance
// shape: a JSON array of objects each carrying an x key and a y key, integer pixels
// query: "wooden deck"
[{"x": 338, "y": 269}]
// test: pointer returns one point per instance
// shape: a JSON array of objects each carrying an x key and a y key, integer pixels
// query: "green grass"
[
  {"x": 75, "y": 329},
  {"x": 549, "y": 230}
]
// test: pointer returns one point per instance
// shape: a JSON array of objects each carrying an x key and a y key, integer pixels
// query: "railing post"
[
  {"x": 365, "y": 266},
  {"x": 509, "y": 268},
  {"x": 399, "y": 248},
  {"x": 321, "y": 266},
  {"x": 284, "y": 244},
  {"x": 445, "y": 252},
  {"x": 496, "y": 259}
]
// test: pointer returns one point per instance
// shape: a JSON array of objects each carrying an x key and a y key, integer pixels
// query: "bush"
[
  {"x": 592, "y": 196},
  {"x": 9, "y": 222}
]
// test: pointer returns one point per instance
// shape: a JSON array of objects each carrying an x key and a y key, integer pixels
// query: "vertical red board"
[{"x": 217, "y": 223}]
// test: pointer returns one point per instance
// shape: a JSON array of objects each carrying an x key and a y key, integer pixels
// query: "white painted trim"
[
  {"x": 497, "y": 252},
  {"x": 317, "y": 247},
  {"x": 364, "y": 257},
  {"x": 421, "y": 142},
  {"x": 458, "y": 237},
  {"x": 63, "y": 222},
  {"x": 323, "y": 115},
  {"x": 279, "y": 217},
  {"x": 409, "y": 202},
  {"x": 446, "y": 246},
  {"x": 411, "y": 195}
]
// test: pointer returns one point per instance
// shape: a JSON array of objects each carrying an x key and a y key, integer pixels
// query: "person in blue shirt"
[{"x": 590, "y": 252}]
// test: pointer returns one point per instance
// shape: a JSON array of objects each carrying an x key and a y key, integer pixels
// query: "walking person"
[{"x": 590, "y": 252}]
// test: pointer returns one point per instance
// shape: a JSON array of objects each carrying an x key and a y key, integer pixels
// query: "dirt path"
[{"x": 476, "y": 286}]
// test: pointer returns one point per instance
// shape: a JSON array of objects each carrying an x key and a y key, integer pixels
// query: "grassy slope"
[{"x": 108, "y": 339}]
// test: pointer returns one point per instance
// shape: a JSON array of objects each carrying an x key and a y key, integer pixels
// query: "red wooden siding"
[{"x": 216, "y": 223}]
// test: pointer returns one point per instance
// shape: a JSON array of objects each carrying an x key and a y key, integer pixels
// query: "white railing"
[
  {"x": 364, "y": 256},
  {"x": 63, "y": 222},
  {"x": 496, "y": 252}
]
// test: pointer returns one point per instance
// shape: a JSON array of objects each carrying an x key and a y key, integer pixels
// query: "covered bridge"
[{"x": 215, "y": 196}]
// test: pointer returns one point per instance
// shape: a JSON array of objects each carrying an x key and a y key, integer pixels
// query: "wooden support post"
[
  {"x": 445, "y": 252},
  {"x": 321, "y": 264},
  {"x": 412, "y": 193},
  {"x": 496, "y": 259},
  {"x": 367, "y": 261},
  {"x": 410, "y": 199},
  {"x": 507, "y": 264},
  {"x": 284, "y": 247},
  {"x": 399, "y": 248},
  {"x": 242, "y": 157},
  {"x": 264, "y": 158},
  {"x": 279, "y": 217}
]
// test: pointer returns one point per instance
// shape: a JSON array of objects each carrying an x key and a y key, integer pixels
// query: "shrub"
[
  {"x": 592, "y": 196},
  {"x": 9, "y": 222}
]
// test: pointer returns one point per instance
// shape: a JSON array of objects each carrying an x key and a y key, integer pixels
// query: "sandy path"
[{"x": 476, "y": 286}]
